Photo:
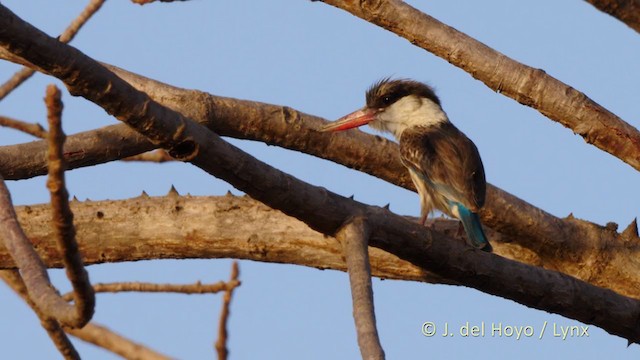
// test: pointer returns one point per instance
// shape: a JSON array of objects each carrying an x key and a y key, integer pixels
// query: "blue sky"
[{"x": 320, "y": 60}]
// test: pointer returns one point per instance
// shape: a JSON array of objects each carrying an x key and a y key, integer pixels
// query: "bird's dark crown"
[{"x": 387, "y": 91}]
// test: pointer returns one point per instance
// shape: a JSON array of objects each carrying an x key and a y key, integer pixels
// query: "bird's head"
[{"x": 393, "y": 106}]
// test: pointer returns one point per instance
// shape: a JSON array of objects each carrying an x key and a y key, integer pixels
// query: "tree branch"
[
  {"x": 221, "y": 343},
  {"x": 54, "y": 330},
  {"x": 126, "y": 230},
  {"x": 545, "y": 237},
  {"x": 320, "y": 209},
  {"x": 627, "y": 11},
  {"x": 531, "y": 87},
  {"x": 62, "y": 217},
  {"x": 117, "y": 344},
  {"x": 353, "y": 237},
  {"x": 69, "y": 33}
]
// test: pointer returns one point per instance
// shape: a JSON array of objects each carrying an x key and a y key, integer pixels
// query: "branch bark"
[
  {"x": 627, "y": 11},
  {"x": 52, "y": 326},
  {"x": 528, "y": 86},
  {"x": 67, "y": 35},
  {"x": 353, "y": 237},
  {"x": 319, "y": 208},
  {"x": 599, "y": 254}
]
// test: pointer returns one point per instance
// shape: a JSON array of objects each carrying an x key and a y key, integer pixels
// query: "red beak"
[{"x": 355, "y": 119}]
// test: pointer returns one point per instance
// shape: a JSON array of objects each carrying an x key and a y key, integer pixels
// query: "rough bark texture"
[
  {"x": 599, "y": 254},
  {"x": 180, "y": 227},
  {"x": 528, "y": 86},
  {"x": 239, "y": 227},
  {"x": 319, "y": 208},
  {"x": 627, "y": 11}
]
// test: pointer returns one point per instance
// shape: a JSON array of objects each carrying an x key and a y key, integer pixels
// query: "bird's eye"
[{"x": 386, "y": 100}]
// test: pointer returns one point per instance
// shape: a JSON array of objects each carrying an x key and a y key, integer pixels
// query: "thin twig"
[
  {"x": 56, "y": 333},
  {"x": 116, "y": 343},
  {"x": 197, "y": 288},
  {"x": 62, "y": 217},
  {"x": 221, "y": 343},
  {"x": 354, "y": 238},
  {"x": 32, "y": 129},
  {"x": 69, "y": 33}
]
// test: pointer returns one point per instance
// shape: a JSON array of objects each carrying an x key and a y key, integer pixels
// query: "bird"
[{"x": 444, "y": 164}]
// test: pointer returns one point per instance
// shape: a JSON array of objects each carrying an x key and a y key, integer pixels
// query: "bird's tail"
[{"x": 473, "y": 228}]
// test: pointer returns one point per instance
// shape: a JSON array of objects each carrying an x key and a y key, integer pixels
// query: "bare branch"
[
  {"x": 55, "y": 332},
  {"x": 221, "y": 343},
  {"x": 320, "y": 209},
  {"x": 525, "y": 225},
  {"x": 528, "y": 86},
  {"x": 32, "y": 129},
  {"x": 70, "y": 32},
  {"x": 197, "y": 288},
  {"x": 354, "y": 238},
  {"x": 126, "y": 230},
  {"x": 627, "y": 11},
  {"x": 62, "y": 217},
  {"x": 118, "y": 344}
]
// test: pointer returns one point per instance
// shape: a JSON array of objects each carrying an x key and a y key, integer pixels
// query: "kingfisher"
[{"x": 443, "y": 162}]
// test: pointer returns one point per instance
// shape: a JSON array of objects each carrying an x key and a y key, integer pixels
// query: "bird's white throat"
[{"x": 408, "y": 112}]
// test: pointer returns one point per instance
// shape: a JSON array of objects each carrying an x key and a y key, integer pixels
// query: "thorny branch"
[
  {"x": 191, "y": 142},
  {"x": 539, "y": 237}
]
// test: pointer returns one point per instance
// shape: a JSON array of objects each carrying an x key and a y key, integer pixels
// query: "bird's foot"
[{"x": 424, "y": 221}]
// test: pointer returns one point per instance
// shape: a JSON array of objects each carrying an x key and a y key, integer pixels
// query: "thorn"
[
  {"x": 173, "y": 192},
  {"x": 570, "y": 216},
  {"x": 631, "y": 232},
  {"x": 387, "y": 206},
  {"x": 74, "y": 199},
  {"x": 144, "y": 195},
  {"x": 228, "y": 194},
  {"x": 351, "y": 197}
]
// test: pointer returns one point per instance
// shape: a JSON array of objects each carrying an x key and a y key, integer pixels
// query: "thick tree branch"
[
  {"x": 532, "y": 87},
  {"x": 523, "y": 224},
  {"x": 627, "y": 11},
  {"x": 198, "y": 227},
  {"x": 319, "y": 208},
  {"x": 354, "y": 238},
  {"x": 69, "y": 33}
]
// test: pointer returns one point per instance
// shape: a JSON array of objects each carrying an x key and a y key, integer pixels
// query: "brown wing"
[{"x": 448, "y": 162}]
